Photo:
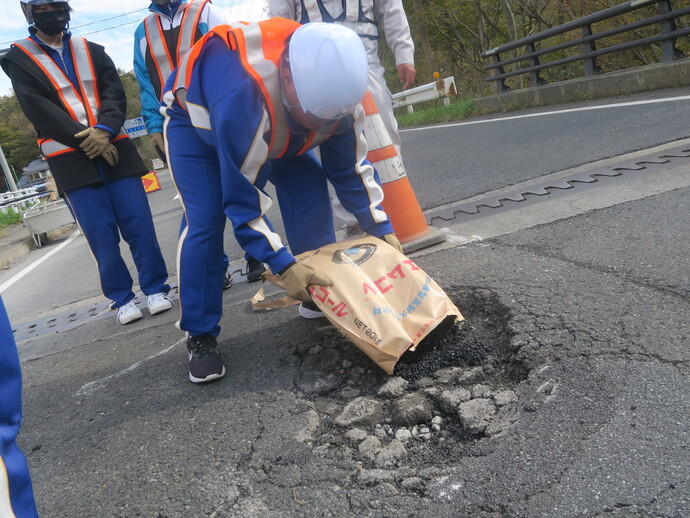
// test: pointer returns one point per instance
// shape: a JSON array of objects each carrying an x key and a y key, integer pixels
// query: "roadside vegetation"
[
  {"x": 427, "y": 113},
  {"x": 11, "y": 218}
]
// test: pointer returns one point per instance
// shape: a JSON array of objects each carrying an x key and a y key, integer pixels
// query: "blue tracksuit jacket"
[{"x": 219, "y": 150}]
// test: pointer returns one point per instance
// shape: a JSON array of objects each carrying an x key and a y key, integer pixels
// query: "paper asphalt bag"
[{"x": 379, "y": 299}]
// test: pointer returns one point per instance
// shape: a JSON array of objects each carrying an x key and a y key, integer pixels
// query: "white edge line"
[
  {"x": 36, "y": 263},
  {"x": 555, "y": 112}
]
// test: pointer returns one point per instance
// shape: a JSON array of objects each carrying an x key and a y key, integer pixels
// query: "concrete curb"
[
  {"x": 612, "y": 84},
  {"x": 11, "y": 253}
]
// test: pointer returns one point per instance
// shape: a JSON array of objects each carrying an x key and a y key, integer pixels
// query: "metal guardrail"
[
  {"x": 441, "y": 89},
  {"x": 667, "y": 38},
  {"x": 17, "y": 201}
]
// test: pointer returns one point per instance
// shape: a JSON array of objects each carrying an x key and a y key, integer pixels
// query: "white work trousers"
[{"x": 384, "y": 102}]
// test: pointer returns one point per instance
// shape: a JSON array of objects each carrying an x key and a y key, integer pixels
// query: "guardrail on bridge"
[{"x": 668, "y": 33}]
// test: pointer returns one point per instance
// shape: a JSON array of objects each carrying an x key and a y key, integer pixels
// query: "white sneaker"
[
  {"x": 128, "y": 313},
  {"x": 310, "y": 310},
  {"x": 159, "y": 302}
]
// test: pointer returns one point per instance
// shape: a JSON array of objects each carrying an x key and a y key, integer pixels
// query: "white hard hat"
[
  {"x": 328, "y": 64},
  {"x": 27, "y": 9}
]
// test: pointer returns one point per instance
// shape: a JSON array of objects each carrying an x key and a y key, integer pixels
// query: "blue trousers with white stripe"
[
  {"x": 302, "y": 190},
  {"x": 16, "y": 493},
  {"x": 106, "y": 211}
]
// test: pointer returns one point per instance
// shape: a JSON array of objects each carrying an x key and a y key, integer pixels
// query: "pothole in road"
[{"x": 454, "y": 390}]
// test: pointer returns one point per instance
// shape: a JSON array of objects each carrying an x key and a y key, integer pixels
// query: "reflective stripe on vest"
[
  {"x": 164, "y": 58},
  {"x": 352, "y": 16},
  {"x": 261, "y": 59},
  {"x": 52, "y": 148},
  {"x": 84, "y": 112}
]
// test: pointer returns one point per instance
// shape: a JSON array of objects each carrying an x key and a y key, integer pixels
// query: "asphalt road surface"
[{"x": 575, "y": 401}]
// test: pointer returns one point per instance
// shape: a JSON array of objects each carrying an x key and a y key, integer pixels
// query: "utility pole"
[{"x": 6, "y": 169}]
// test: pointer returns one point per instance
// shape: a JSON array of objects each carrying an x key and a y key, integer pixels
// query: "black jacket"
[{"x": 43, "y": 107}]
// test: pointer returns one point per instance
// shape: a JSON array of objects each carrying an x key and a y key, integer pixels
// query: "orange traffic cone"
[{"x": 399, "y": 201}]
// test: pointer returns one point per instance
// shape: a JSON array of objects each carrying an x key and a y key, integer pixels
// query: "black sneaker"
[
  {"x": 254, "y": 270},
  {"x": 205, "y": 363},
  {"x": 227, "y": 281}
]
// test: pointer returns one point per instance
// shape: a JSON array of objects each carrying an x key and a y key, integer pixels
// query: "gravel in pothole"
[{"x": 456, "y": 388}]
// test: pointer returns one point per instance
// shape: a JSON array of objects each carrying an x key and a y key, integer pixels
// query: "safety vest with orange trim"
[
  {"x": 165, "y": 57},
  {"x": 81, "y": 106},
  {"x": 259, "y": 46}
]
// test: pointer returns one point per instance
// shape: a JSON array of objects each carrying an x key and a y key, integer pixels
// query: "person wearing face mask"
[
  {"x": 160, "y": 41},
  {"x": 246, "y": 106},
  {"x": 71, "y": 92}
]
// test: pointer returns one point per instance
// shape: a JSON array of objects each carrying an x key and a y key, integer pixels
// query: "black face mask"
[{"x": 51, "y": 23}]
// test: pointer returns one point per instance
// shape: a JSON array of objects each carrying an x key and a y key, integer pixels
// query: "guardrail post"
[
  {"x": 669, "y": 52},
  {"x": 500, "y": 83},
  {"x": 535, "y": 80},
  {"x": 591, "y": 67}
]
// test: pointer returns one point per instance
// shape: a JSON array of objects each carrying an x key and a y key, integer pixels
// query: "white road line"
[
  {"x": 555, "y": 112},
  {"x": 36, "y": 263},
  {"x": 89, "y": 388}
]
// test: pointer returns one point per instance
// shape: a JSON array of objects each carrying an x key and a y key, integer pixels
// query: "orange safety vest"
[
  {"x": 165, "y": 59},
  {"x": 259, "y": 46},
  {"x": 81, "y": 106}
]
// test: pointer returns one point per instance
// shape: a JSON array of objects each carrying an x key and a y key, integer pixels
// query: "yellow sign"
[{"x": 151, "y": 182}]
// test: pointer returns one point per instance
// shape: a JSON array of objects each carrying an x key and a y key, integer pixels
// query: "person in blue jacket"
[
  {"x": 16, "y": 492},
  {"x": 245, "y": 107},
  {"x": 160, "y": 41}
]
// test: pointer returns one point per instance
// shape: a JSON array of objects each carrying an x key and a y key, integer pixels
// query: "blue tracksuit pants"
[
  {"x": 106, "y": 211},
  {"x": 302, "y": 191},
  {"x": 16, "y": 493}
]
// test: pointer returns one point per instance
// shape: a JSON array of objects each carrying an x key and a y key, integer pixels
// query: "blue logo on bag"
[{"x": 357, "y": 254}]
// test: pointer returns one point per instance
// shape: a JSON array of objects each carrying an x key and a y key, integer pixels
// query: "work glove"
[
  {"x": 95, "y": 141},
  {"x": 110, "y": 155},
  {"x": 297, "y": 279},
  {"x": 392, "y": 240},
  {"x": 158, "y": 144}
]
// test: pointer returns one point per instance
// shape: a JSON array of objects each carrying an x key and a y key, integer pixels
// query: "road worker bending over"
[
  {"x": 245, "y": 107},
  {"x": 70, "y": 90}
]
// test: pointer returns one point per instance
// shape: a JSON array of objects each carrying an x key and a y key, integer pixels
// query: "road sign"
[
  {"x": 157, "y": 163},
  {"x": 151, "y": 182},
  {"x": 135, "y": 127}
]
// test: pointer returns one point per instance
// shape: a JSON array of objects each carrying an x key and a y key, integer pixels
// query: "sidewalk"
[{"x": 15, "y": 242}]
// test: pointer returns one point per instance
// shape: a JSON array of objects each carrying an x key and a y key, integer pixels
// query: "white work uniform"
[{"x": 361, "y": 16}]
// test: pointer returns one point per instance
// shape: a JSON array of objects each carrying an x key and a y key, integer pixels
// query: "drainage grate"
[
  {"x": 609, "y": 175},
  {"x": 62, "y": 321},
  {"x": 69, "y": 319}
]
